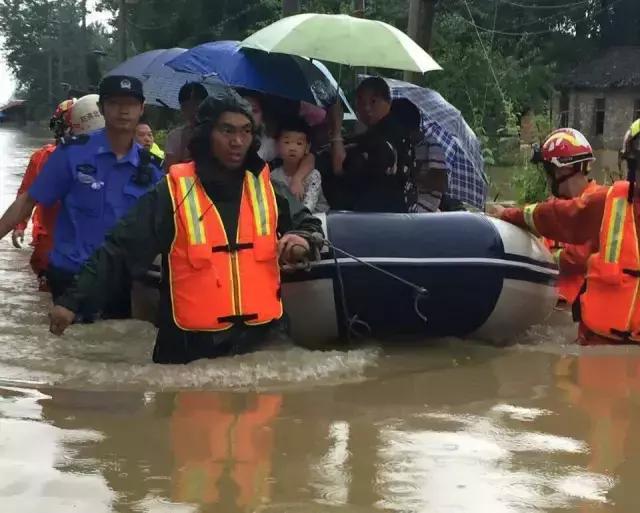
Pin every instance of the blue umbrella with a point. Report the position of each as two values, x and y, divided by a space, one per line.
161 83
444 125
287 76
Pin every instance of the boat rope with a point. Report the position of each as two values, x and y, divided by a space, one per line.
352 322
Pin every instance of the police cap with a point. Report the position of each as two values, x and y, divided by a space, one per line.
120 85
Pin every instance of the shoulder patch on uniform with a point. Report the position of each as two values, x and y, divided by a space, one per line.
74 139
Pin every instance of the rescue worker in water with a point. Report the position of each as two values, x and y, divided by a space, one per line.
607 306
216 222
565 156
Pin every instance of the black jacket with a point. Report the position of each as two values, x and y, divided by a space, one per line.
378 172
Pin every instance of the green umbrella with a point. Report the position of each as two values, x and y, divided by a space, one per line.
343 39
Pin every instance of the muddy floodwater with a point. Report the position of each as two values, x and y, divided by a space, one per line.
88 424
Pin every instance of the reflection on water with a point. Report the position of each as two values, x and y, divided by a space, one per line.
39 467
87 423
479 459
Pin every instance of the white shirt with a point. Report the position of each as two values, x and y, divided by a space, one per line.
313 198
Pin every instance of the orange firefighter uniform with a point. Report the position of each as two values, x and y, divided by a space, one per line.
610 225
44 218
572 259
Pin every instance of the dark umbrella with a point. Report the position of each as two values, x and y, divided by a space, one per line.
444 125
287 76
161 83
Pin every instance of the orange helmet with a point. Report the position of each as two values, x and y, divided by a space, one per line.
60 122
565 147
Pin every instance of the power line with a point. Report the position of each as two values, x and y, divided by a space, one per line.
493 37
510 34
548 7
486 54
525 32
521 28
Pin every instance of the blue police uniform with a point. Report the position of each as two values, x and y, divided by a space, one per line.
95 190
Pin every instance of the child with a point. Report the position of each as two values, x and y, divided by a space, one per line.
293 145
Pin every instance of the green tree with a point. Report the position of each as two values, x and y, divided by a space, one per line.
46 48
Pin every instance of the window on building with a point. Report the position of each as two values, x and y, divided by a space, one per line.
564 110
599 116
636 110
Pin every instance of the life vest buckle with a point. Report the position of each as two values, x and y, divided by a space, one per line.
232 247
632 272
238 319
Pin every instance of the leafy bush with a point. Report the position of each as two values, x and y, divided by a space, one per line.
160 137
530 184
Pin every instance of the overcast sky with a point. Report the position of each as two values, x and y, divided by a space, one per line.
7 84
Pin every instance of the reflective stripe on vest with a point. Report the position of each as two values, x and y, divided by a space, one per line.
609 305
192 208
614 233
528 217
258 193
216 282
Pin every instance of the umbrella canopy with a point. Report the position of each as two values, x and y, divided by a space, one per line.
443 124
286 76
161 84
343 39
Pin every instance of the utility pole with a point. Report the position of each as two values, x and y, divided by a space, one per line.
50 78
84 79
358 8
122 29
420 27
290 7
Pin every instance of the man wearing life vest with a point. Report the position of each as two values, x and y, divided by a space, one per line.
565 156
217 222
607 219
71 117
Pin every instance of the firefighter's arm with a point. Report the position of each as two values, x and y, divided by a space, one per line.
30 175
574 221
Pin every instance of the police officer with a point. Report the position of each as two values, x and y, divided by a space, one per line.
97 178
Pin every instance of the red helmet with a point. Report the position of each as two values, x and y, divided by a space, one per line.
60 122
565 147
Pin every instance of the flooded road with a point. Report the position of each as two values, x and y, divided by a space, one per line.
88 424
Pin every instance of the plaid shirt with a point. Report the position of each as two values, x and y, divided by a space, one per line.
443 124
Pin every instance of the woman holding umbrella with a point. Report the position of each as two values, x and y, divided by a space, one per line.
374 172
357 42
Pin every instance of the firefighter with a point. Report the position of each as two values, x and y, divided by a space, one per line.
566 153
607 219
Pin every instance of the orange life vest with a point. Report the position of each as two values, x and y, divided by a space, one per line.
216 283
609 306
569 284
